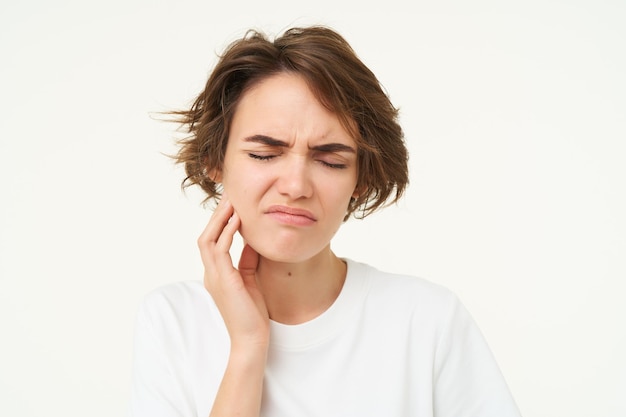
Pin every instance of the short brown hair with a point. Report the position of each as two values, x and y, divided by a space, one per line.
335 75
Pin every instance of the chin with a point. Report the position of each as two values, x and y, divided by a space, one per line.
282 251
285 255
283 246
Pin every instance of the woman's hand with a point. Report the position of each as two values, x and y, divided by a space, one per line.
243 309
235 291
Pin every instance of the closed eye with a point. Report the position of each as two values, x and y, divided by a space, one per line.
331 159
331 165
261 157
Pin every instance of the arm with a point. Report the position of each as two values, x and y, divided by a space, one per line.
243 309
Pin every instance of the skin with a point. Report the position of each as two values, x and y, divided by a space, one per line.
289 172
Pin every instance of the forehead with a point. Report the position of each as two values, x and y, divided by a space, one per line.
284 105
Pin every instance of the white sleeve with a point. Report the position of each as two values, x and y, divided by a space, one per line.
467 380
156 389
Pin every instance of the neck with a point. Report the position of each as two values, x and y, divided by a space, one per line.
298 292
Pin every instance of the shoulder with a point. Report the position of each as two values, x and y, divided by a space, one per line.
405 291
176 305
410 308
175 292
175 295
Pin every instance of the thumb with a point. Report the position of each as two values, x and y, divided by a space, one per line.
248 263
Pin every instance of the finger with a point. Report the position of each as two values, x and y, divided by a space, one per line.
208 239
216 224
221 254
248 263
225 240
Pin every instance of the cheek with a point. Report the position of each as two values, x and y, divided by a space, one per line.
338 205
244 193
238 182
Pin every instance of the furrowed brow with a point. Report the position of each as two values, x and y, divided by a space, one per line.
333 147
326 147
266 140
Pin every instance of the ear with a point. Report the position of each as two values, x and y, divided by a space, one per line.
216 175
357 192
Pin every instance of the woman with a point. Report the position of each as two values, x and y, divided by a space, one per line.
292 137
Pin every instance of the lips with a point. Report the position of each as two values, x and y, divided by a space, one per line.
291 215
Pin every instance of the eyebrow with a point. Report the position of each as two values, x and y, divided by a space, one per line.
325 147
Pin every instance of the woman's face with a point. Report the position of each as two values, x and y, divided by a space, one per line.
290 170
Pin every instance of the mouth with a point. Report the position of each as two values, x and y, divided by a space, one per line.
291 215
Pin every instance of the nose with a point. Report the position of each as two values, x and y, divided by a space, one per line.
294 179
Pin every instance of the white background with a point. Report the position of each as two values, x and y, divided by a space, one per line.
514 113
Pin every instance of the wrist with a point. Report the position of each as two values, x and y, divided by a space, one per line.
248 360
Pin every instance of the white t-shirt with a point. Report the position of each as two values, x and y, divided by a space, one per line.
390 345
